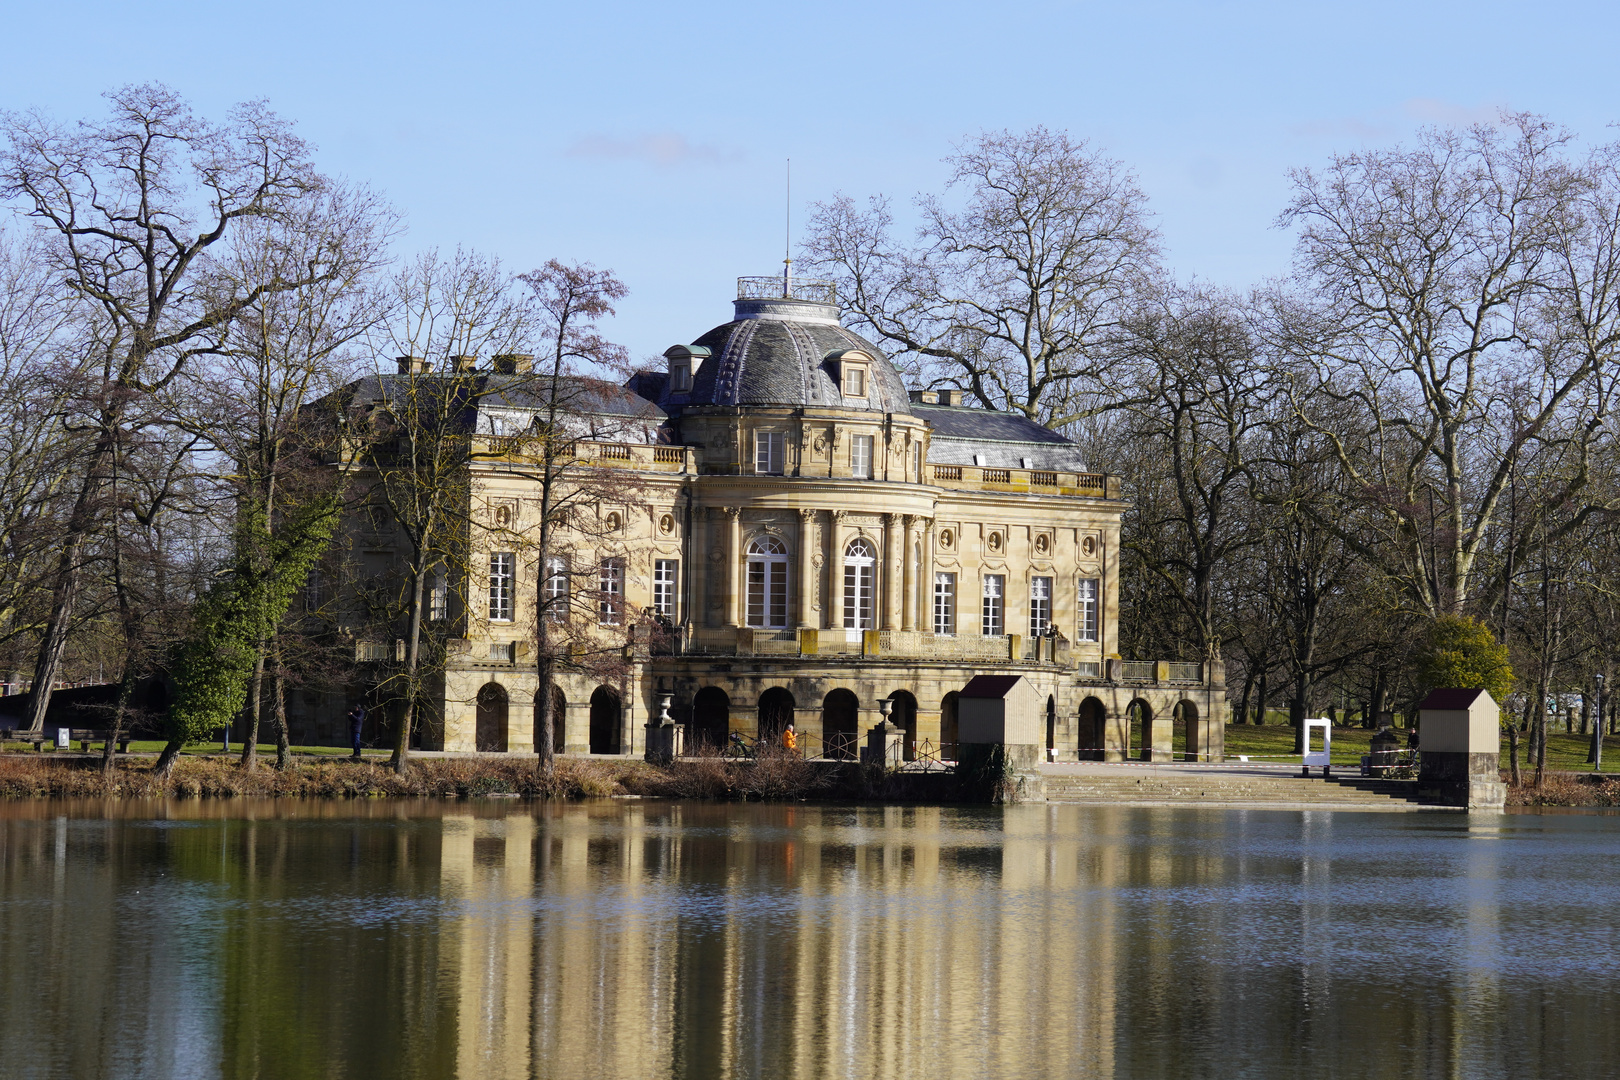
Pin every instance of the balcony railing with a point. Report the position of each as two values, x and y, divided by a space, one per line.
606 454
786 288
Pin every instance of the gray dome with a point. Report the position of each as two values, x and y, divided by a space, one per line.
781 352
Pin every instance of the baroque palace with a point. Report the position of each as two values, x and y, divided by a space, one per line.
825 547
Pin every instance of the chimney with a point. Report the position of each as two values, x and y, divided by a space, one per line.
924 397
514 363
950 397
461 365
413 365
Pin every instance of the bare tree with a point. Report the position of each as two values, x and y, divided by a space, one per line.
1465 297
134 206
1200 407
287 347
414 440
572 299
1020 293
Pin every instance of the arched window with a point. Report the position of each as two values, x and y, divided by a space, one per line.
767 582
860 563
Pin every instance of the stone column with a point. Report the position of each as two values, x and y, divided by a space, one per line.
835 571
733 563
892 562
807 569
908 557
697 605
925 572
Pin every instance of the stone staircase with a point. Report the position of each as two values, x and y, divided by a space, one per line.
1283 790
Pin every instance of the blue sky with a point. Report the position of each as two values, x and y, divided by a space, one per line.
650 138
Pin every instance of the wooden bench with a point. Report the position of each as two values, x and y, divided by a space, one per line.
83 736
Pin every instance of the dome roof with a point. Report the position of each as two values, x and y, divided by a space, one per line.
785 352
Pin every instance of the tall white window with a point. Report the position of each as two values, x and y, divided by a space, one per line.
555 590
860 456
1040 605
680 378
502 572
995 589
664 577
314 590
860 563
944 603
610 599
438 596
768 453
767 582
1087 604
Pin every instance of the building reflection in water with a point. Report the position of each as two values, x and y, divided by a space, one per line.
645 939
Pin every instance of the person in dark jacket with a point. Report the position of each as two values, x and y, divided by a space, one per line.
357 724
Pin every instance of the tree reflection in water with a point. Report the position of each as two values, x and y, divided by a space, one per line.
648 939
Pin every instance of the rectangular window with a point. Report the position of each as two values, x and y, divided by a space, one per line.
555 591
768 453
610 601
502 572
994 594
664 577
854 380
944 603
1087 604
858 596
438 597
680 378
1040 605
860 456
314 589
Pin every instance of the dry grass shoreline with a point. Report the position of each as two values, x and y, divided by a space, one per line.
779 778
773 777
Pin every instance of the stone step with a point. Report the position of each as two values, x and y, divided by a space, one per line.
1345 791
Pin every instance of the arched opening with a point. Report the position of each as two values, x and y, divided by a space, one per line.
1141 717
606 713
1051 726
559 721
490 734
1093 723
711 720
860 568
767 583
947 726
903 715
775 713
1186 737
840 716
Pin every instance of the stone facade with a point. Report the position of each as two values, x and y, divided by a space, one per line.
797 537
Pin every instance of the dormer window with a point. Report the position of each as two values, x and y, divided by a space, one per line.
854 380
853 370
682 360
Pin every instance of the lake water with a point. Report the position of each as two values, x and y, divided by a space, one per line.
648 939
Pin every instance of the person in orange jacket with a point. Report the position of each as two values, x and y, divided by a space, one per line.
790 739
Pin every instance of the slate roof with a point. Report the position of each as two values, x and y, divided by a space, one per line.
1450 698
584 394
1002 440
775 357
990 686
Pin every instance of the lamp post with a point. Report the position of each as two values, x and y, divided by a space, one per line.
1597 724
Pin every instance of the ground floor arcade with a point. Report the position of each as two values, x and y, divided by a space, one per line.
831 703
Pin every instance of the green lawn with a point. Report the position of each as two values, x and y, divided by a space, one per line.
1565 752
